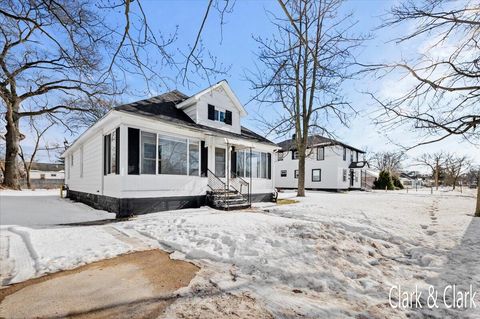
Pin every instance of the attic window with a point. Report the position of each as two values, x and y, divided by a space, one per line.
219 116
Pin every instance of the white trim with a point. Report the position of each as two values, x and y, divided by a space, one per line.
224 85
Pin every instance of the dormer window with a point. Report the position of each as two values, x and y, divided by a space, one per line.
218 115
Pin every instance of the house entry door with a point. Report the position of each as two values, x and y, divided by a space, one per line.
351 177
220 162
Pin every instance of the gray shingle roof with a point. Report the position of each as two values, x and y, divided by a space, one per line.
315 140
163 108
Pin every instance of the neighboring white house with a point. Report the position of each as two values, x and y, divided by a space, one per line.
42 171
330 165
169 152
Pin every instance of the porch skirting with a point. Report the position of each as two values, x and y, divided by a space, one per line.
124 207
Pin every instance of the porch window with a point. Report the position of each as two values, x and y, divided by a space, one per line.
111 153
220 162
193 158
256 163
316 175
148 150
172 155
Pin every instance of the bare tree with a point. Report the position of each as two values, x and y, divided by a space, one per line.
445 101
455 166
435 162
387 161
55 55
28 160
302 69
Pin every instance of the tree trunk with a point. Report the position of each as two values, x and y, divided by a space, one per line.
301 174
27 176
12 139
436 175
477 210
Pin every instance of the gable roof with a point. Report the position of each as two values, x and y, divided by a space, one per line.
315 140
222 84
49 167
164 108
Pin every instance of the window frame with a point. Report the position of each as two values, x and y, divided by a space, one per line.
323 153
157 134
344 153
259 169
295 174
319 175
280 156
282 173
344 178
295 155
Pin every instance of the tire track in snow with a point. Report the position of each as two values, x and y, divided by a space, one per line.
26 258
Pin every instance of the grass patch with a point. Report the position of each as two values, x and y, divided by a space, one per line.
286 201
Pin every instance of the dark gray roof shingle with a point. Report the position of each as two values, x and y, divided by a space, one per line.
163 108
314 140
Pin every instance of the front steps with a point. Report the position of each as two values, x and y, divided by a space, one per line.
227 200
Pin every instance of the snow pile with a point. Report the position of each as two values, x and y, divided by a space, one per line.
331 255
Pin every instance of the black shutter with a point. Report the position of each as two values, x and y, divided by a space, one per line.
133 151
105 155
269 166
203 159
293 154
211 112
228 117
233 161
117 151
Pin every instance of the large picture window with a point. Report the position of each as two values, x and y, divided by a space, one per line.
111 153
172 155
148 150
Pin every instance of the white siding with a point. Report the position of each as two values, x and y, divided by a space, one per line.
91 181
332 170
222 102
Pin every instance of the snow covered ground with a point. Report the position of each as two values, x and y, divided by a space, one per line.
44 208
330 255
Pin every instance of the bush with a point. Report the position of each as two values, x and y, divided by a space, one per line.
384 180
397 182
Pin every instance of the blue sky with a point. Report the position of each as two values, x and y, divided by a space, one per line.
238 50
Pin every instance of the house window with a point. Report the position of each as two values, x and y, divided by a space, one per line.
283 173
220 162
356 177
357 155
295 174
53 175
81 161
147 153
344 175
344 153
220 116
295 155
351 156
256 163
280 156
111 156
316 175
172 155
320 153
194 158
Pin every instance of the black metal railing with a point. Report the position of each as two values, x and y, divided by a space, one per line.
241 185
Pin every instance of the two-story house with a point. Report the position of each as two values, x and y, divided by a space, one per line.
330 165
169 152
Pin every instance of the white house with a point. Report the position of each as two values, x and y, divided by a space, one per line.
169 152
330 165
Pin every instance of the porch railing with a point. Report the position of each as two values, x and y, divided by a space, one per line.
241 185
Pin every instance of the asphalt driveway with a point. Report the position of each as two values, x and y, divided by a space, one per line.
45 209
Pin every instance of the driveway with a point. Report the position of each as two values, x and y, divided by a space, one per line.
44 208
